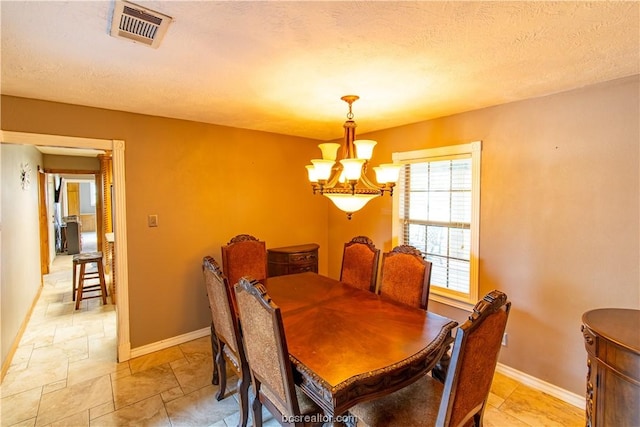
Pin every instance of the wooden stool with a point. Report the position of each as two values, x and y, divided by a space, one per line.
80 287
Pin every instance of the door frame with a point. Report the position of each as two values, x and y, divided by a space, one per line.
117 148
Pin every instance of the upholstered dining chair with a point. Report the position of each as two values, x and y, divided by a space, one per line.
406 276
360 263
462 399
244 255
268 355
225 329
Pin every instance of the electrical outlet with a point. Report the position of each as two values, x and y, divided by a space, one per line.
153 220
504 339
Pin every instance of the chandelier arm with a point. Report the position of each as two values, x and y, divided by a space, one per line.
367 182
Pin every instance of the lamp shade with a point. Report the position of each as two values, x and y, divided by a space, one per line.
322 168
387 173
364 148
350 203
311 170
352 168
329 150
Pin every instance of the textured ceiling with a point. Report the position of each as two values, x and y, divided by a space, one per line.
283 66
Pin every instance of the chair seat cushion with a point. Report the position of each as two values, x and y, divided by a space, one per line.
414 405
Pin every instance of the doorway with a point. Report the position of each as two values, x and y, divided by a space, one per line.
119 216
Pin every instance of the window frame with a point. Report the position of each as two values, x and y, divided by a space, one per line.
474 150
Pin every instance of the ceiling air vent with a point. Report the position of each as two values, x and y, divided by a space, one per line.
137 24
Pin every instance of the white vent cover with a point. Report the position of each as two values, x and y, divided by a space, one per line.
138 24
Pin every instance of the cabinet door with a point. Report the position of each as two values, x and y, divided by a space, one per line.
617 398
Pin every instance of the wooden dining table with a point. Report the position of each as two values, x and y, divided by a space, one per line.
348 345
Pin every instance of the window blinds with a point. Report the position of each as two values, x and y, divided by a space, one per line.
435 215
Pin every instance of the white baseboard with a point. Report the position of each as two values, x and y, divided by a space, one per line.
170 342
543 386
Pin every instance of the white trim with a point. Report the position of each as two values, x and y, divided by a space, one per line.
443 299
55 140
170 342
430 153
117 146
120 251
543 386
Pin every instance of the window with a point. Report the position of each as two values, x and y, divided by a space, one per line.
437 210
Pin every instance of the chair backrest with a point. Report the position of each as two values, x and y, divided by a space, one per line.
360 263
406 276
221 303
266 346
244 255
473 361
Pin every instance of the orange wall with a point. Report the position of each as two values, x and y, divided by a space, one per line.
559 217
206 183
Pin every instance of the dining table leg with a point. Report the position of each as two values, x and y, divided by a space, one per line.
439 371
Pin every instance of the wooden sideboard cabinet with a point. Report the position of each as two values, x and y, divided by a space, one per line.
612 340
293 259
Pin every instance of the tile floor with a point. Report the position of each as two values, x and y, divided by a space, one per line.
65 373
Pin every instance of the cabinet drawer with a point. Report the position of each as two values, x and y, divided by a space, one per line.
304 258
301 268
293 259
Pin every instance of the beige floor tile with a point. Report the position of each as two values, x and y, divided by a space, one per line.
149 412
51 387
172 394
101 360
200 408
197 349
539 409
195 375
101 410
66 333
22 355
142 385
59 308
156 358
37 375
20 407
495 418
73 348
74 399
103 348
495 400
26 423
87 369
39 335
502 386
81 419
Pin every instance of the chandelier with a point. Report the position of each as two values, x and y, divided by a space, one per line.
343 179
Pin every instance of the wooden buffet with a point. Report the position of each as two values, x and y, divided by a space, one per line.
292 259
612 340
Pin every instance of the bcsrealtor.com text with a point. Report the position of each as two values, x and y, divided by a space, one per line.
320 418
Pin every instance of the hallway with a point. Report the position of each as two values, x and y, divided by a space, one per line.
65 371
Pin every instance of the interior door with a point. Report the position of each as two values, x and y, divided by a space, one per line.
73 198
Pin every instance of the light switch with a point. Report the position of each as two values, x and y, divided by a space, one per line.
153 220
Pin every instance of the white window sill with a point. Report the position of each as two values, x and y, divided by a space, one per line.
443 299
